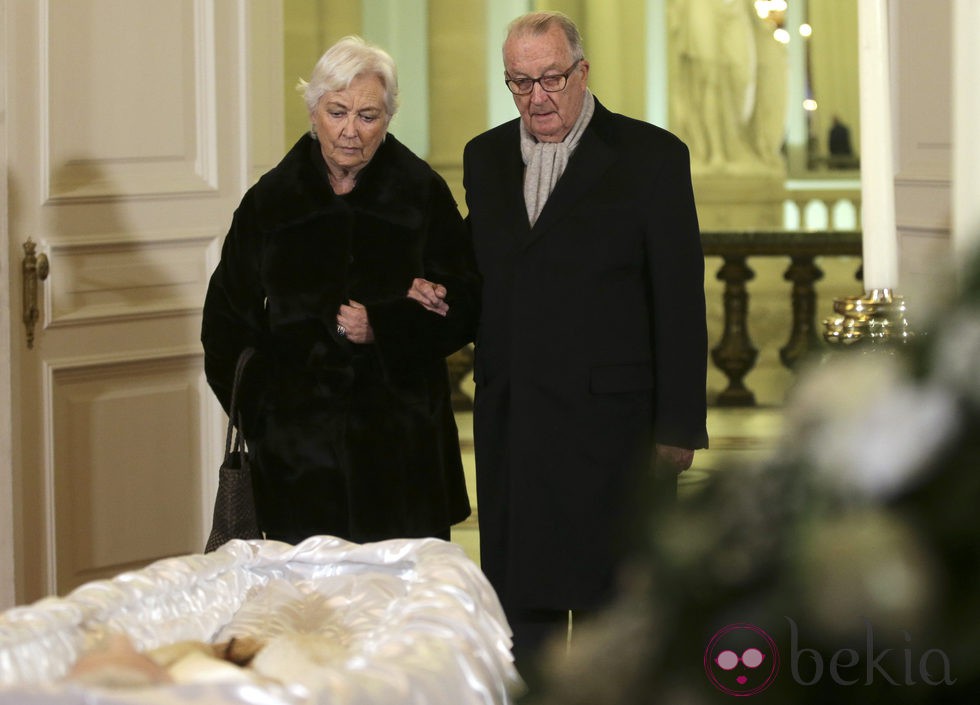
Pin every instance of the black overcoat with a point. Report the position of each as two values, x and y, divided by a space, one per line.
591 344
356 441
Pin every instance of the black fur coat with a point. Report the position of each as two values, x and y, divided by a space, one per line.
356 441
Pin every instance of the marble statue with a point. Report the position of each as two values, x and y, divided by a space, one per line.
727 86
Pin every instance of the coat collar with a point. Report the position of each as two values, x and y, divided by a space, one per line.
590 161
394 186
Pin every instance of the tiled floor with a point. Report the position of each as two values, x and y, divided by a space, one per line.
467 534
738 437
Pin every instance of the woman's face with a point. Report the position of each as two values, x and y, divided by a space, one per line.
351 124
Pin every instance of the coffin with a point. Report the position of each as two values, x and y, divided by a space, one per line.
401 621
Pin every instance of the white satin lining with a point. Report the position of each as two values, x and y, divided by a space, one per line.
400 621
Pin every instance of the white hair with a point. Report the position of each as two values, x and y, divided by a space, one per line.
538 23
342 63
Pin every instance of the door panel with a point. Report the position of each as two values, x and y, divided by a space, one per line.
116 277
139 84
130 150
119 504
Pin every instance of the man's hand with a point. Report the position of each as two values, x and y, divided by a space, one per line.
431 295
678 458
352 323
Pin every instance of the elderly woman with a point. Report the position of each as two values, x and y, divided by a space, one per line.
326 272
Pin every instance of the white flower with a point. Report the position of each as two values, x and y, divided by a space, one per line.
868 428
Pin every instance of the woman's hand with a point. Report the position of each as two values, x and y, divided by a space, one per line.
353 323
430 295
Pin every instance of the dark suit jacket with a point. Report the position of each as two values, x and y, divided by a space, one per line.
591 345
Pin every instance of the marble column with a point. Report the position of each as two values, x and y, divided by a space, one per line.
310 27
500 103
966 147
614 33
877 170
396 26
797 131
657 72
457 84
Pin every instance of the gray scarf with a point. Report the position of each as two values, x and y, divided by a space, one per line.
546 161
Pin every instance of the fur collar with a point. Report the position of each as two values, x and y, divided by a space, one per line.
394 186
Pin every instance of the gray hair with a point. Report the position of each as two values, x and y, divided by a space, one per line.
342 63
538 23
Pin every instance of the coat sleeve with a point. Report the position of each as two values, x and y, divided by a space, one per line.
406 334
680 341
234 319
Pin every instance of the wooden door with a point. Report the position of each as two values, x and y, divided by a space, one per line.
127 146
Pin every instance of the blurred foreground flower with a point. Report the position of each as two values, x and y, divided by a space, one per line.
866 427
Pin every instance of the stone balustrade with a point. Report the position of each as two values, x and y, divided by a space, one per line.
735 354
822 205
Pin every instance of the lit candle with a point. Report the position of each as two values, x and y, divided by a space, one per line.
880 238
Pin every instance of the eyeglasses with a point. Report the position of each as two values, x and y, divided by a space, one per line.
552 82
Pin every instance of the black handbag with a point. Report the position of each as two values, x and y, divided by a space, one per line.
234 505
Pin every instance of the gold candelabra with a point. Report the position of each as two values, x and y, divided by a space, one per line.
878 317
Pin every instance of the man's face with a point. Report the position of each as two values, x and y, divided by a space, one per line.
547 116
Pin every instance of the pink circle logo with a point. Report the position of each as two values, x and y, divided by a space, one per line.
741 660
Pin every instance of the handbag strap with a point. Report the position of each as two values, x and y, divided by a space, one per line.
234 415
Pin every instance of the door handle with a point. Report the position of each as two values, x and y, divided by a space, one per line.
35 268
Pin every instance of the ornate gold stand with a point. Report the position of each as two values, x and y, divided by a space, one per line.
878 317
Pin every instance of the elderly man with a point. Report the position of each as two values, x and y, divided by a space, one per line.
591 352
